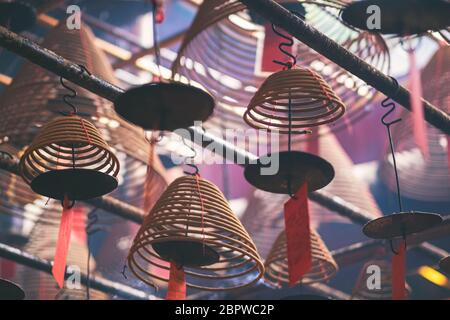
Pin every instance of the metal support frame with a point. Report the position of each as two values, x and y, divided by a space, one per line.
96 282
71 71
319 42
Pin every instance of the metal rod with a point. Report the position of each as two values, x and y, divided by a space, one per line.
342 207
316 40
96 282
71 71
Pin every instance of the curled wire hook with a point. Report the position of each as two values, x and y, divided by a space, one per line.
66 97
192 165
289 43
390 104
391 244
152 140
73 92
69 206
386 103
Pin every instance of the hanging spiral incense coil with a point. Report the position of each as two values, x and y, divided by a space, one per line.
263 218
230 77
42 242
75 144
193 225
384 292
313 102
323 266
421 178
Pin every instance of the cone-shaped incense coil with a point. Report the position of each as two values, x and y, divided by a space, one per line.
232 77
69 143
193 225
323 265
370 289
313 102
43 238
423 178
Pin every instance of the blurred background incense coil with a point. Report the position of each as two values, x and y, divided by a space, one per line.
366 289
231 43
42 242
424 179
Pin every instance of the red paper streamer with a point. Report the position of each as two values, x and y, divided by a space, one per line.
270 50
177 283
399 273
296 218
62 246
419 126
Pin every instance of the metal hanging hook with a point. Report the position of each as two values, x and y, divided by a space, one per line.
387 103
192 165
73 92
150 139
66 97
390 104
289 43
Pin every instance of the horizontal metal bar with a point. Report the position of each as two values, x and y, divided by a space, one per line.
71 71
96 282
319 42
63 67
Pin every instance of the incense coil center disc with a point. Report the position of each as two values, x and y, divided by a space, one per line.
164 106
299 167
398 225
10 291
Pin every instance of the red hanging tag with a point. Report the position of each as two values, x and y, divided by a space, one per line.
62 246
419 126
298 237
398 273
270 50
177 283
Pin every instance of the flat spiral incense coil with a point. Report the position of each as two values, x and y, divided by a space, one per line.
313 102
323 265
193 226
402 224
69 156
